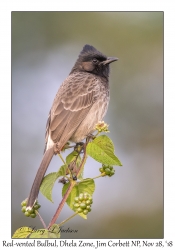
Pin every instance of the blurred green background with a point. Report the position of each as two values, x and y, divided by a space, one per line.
45 46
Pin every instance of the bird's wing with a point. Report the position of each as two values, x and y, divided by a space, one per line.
72 103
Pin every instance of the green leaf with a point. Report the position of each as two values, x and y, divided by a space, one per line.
22 232
80 175
72 195
102 150
87 185
62 171
71 157
52 233
49 181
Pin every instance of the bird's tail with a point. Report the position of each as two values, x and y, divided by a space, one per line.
39 177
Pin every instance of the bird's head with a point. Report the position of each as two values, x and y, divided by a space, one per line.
92 61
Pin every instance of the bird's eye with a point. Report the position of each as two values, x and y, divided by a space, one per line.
95 61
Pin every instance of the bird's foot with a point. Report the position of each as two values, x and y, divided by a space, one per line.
79 147
89 138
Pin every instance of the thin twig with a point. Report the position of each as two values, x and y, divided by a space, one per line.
98 176
62 159
64 162
64 221
41 219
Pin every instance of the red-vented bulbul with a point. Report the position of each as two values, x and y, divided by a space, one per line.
80 103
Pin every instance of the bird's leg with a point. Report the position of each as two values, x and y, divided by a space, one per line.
89 138
79 147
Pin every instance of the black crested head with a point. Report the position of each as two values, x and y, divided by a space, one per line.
89 51
93 61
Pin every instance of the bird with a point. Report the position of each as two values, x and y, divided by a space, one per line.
80 103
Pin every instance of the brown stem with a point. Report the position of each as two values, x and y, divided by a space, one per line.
64 221
58 211
72 184
41 219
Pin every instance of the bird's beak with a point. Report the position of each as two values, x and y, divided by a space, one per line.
110 60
